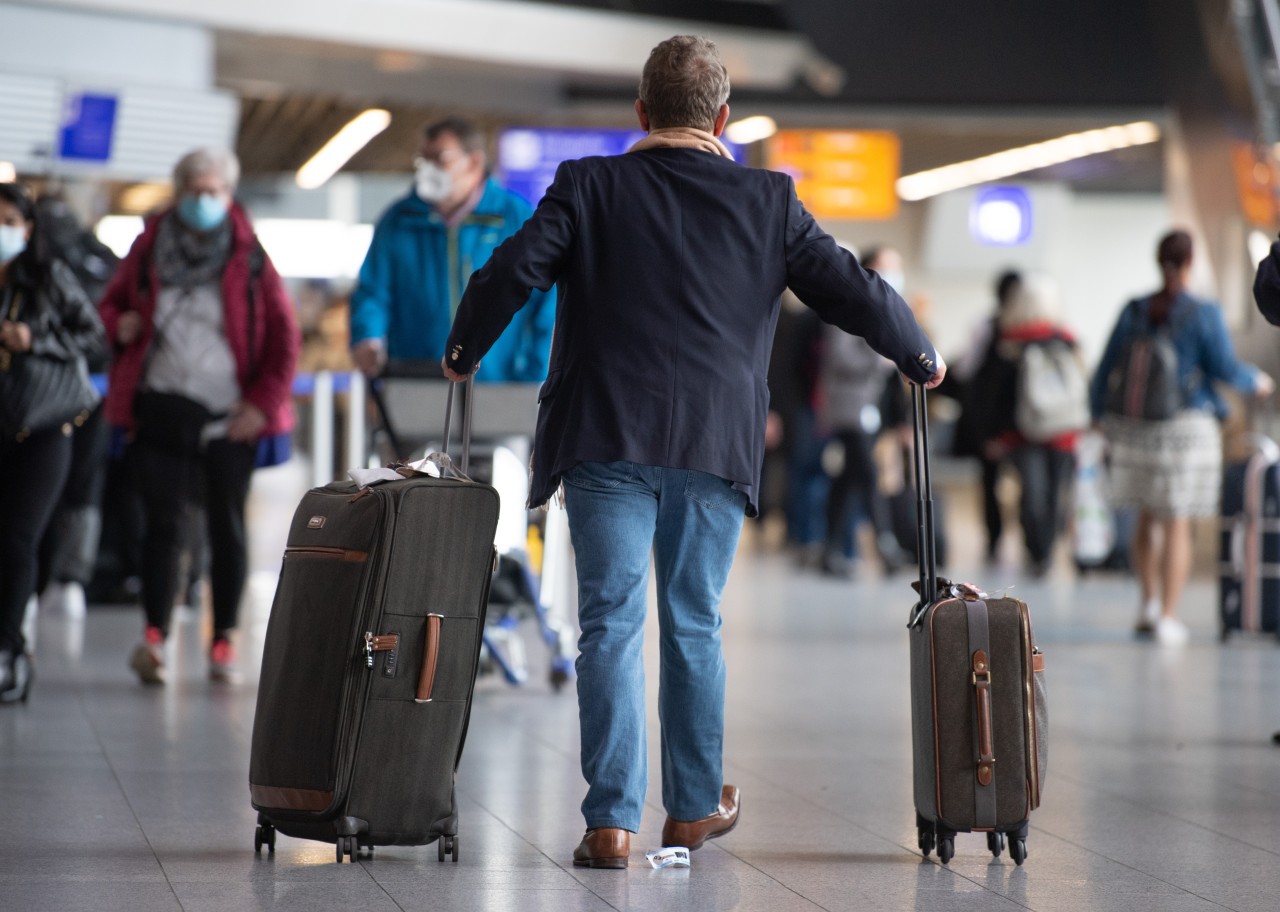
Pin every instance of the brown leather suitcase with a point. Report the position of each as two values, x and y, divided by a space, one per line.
978 718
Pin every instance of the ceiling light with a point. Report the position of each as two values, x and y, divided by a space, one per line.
751 129
925 184
339 150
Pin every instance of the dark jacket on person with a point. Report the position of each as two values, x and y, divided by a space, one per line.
64 325
1205 353
260 325
1266 286
670 264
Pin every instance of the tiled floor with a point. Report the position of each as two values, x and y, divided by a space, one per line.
1163 792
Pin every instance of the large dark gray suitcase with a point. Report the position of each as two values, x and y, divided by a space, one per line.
370 662
978 718
1249 577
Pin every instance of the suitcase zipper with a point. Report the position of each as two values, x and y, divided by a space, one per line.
358 694
343 554
387 643
1029 700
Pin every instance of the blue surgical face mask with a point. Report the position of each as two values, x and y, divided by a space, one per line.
13 240
895 279
203 212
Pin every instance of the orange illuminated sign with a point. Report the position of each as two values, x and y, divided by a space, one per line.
1256 182
840 174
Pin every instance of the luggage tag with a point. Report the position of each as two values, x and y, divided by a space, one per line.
670 857
367 477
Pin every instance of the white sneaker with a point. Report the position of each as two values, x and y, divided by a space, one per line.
1171 632
1148 618
66 599
73 601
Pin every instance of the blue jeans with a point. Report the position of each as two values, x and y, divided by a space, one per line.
619 512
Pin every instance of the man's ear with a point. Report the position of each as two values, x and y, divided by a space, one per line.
721 120
643 115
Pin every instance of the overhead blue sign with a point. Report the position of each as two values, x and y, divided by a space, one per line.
1001 216
528 158
88 126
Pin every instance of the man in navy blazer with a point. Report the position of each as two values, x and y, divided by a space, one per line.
670 261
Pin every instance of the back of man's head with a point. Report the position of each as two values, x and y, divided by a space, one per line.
684 83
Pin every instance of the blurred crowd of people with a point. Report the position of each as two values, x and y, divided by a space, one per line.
201 341
1148 416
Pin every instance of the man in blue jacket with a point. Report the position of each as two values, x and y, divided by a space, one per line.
670 261
424 250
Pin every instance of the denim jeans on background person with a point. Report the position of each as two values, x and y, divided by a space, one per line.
1045 473
619 513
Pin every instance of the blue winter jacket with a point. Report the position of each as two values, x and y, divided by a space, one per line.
414 274
1205 353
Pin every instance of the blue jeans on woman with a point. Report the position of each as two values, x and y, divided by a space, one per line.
619 513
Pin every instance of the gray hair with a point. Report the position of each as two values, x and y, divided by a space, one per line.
684 83
223 162
469 135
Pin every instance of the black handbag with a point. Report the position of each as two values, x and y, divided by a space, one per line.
38 393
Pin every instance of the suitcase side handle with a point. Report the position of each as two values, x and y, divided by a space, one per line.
430 659
986 736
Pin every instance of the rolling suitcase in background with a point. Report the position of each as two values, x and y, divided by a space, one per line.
978 719
1249 580
370 660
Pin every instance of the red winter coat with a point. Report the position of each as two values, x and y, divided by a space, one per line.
275 327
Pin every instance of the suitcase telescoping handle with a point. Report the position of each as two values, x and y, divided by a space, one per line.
468 388
925 538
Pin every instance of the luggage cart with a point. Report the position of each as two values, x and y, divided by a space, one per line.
406 426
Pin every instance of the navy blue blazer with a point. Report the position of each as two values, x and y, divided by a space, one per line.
1266 286
670 264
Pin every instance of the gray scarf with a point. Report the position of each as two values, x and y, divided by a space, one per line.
188 259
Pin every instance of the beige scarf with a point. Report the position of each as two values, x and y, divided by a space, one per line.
681 138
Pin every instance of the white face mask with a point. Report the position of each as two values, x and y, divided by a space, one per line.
13 240
431 182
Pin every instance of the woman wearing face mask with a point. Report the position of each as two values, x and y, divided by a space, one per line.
206 341
47 327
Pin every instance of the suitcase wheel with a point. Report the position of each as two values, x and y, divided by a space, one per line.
347 845
924 835
995 843
264 835
1018 849
946 848
925 840
447 845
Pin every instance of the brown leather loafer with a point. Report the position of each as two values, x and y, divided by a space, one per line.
693 833
603 847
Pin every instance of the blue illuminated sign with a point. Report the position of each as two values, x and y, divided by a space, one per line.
1001 216
88 125
528 158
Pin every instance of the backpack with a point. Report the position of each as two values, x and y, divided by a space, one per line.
1052 393
1144 382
